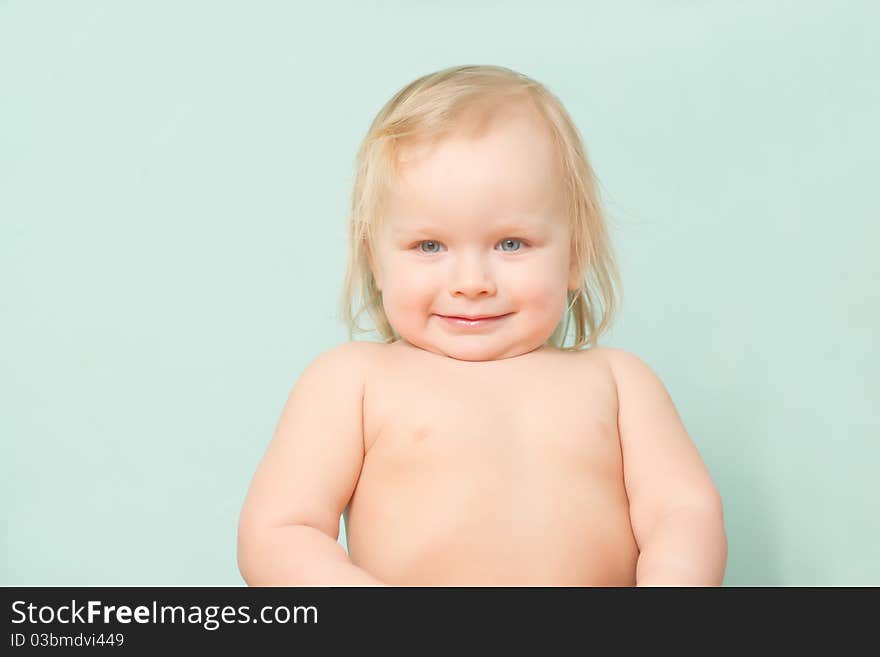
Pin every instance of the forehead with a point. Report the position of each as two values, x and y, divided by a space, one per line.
509 170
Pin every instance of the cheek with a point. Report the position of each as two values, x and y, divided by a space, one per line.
541 288
546 299
408 288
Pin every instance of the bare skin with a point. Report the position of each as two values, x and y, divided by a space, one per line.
505 472
546 468
468 453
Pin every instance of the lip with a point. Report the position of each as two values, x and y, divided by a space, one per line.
477 321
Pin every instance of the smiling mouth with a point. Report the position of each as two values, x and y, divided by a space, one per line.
476 322
473 319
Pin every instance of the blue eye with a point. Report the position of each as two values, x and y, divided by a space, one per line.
431 246
428 242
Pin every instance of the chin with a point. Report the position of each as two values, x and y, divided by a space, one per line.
478 352
472 355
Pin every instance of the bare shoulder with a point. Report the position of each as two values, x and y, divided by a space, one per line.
351 360
338 373
640 391
626 367
598 360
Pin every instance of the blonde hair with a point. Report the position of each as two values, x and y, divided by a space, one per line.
428 108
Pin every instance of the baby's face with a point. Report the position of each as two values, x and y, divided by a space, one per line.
477 227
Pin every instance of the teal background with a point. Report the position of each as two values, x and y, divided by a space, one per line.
174 186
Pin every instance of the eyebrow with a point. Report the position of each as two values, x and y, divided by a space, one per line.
512 226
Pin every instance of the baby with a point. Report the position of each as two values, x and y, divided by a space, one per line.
470 447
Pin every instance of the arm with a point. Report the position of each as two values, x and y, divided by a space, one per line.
675 508
297 555
687 547
289 524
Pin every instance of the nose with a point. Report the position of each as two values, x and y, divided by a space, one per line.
471 277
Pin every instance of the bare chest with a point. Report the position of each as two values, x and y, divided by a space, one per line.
463 413
514 432
431 401
521 454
